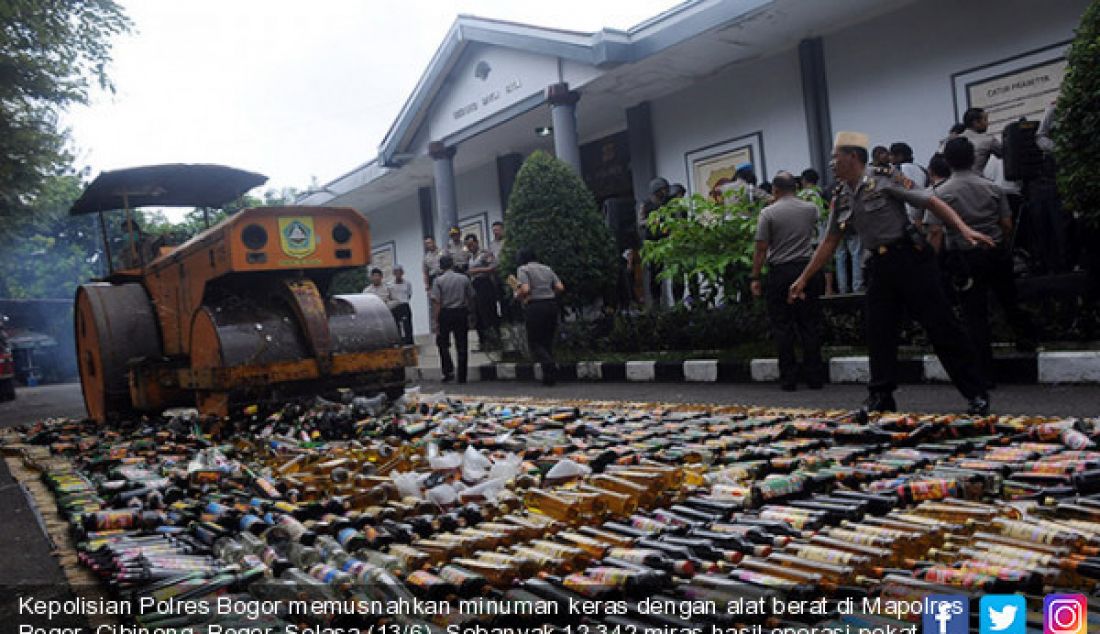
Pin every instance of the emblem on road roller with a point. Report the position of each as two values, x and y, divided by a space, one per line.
297 237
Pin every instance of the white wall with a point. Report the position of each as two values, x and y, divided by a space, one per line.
478 193
400 222
891 77
763 95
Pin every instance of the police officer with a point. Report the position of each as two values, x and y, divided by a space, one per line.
452 295
785 234
483 274
538 288
976 122
976 270
431 262
457 250
902 271
400 298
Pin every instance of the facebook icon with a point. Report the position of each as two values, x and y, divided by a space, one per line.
946 614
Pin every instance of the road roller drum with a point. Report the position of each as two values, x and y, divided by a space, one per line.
115 326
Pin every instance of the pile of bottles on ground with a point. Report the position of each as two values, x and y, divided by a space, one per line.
672 519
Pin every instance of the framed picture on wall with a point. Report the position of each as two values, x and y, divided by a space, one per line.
478 225
384 256
1020 86
711 166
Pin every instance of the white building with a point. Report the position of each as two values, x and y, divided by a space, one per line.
687 94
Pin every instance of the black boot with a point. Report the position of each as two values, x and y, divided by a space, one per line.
978 406
876 402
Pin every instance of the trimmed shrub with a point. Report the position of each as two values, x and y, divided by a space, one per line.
1078 122
552 212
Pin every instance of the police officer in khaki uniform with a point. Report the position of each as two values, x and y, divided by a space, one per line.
400 297
976 271
538 287
457 250
902 271
452 295
431 262
784 234
482 270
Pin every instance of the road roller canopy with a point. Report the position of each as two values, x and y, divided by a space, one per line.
174 185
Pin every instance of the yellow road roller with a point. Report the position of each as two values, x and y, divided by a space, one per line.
238 314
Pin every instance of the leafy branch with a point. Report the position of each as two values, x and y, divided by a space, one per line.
704 239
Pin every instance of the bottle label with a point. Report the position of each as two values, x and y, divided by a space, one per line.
294 528
324 573
773 487
1026 531
647 524
825 555
609 576
863 539
247 521
1000 572
633 555
456 576
353 566
114 520
582 585
795 521
929 489
761 579
423 579
961 578
345 536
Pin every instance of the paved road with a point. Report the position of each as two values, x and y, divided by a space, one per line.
25 551
45 401
1051 400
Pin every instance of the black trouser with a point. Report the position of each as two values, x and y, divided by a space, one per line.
503 300
485 309
403 315
989 270
453 321
541 317
904 278
801 320
1051 225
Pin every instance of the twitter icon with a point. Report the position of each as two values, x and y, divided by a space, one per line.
1003 614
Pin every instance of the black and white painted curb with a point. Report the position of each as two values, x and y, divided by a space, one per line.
1044 367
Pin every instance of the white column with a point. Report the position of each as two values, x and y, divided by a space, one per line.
563 106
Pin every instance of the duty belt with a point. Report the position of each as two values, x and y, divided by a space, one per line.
896 245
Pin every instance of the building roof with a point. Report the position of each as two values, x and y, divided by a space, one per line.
675 47
602 49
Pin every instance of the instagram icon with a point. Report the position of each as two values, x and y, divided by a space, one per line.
1065 614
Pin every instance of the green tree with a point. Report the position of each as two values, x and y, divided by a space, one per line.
50 52
195 220
1078 122
53 252
705 239
552 212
